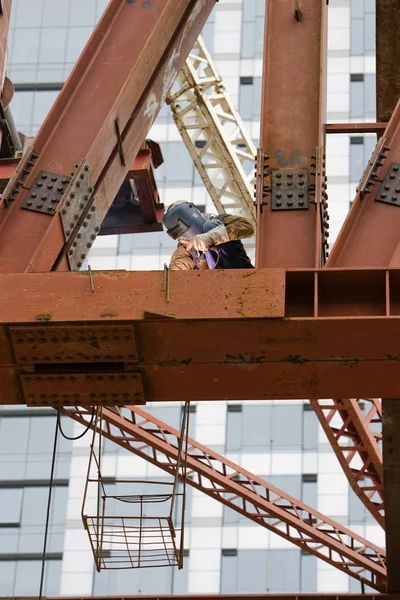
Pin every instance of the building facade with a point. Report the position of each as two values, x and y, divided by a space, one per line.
280 441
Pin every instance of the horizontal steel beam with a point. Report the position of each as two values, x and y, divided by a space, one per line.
378 128
236 597
129 337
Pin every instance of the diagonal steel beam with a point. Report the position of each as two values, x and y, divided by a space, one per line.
356 446
155 441
94 131
370 236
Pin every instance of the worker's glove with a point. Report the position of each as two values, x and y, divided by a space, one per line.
203 241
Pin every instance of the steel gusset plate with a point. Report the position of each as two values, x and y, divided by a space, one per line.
83 389
46 193
389 191
290 189
75 203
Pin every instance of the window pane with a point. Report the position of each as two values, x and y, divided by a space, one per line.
11 504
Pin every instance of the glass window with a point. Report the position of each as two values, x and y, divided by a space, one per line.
14 432
252 571
283 570
11 504
7 577
357 163
249 10
26 46
229 573
8 542
55 14
369 35
248 39
356 99
287 426
41 437
310 430
357 9
357 37
27 578
52 45
82 13
28 13
308 584
42 104
34 506
370 96
77 38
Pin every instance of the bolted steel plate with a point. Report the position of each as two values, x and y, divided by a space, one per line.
74 344
389 191
289 189
70 389
46 193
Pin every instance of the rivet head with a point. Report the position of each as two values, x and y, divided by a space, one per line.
34 194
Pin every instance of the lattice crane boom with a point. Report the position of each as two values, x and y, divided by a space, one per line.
214 133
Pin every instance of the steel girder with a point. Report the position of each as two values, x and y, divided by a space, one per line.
155 441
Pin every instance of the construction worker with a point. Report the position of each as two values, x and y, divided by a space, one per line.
206 241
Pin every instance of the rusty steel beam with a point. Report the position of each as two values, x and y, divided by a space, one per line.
354 128
94 131
387 57
370 236
292 136
214 475
391 473
269 333
232 597
357 446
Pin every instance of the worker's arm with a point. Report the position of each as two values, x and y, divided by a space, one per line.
181 260
232 228
237 228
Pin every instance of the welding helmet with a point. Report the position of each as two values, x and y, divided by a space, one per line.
183 219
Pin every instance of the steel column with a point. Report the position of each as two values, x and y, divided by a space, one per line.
387 57
101 117
292 131
391 472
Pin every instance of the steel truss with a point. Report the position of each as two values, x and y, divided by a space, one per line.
357 446
214 133
155 441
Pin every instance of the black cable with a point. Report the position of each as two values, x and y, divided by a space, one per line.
78 437
46 531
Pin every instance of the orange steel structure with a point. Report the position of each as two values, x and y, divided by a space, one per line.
293 328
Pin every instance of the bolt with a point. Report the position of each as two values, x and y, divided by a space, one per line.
78 184
289 175
278 194
89 245
97 229
44 176
395 168
290 202
93 208
301 174
290 195
68 203
383 195
29 203
83 256
39 184
394 198
50 186
392 175
63 211
79 236
49 208
278 175
72 195
278 203
34 194
387 187
301 202
301 194
64 181
82 175
79 264
44 197
60 189
93 237
39 206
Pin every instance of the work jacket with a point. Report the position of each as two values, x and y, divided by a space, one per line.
229 255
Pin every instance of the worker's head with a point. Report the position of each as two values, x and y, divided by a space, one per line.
183 219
